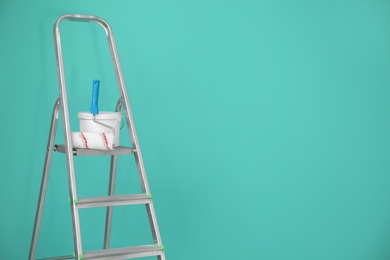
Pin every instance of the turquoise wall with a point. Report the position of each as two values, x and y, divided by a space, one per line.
264 125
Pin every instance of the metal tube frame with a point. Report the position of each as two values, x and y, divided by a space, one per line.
63 102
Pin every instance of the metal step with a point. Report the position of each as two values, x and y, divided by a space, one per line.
125 253
58 258
92 152
117 253
115 200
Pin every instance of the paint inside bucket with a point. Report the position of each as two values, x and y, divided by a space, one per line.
112 119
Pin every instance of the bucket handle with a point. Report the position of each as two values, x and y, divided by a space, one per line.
102 124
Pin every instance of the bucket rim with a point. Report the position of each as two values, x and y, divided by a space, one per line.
102 115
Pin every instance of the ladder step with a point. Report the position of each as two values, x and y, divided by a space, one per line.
117 253
125 253
92 152
58 258
115 200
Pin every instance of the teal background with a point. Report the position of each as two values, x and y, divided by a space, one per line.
264 125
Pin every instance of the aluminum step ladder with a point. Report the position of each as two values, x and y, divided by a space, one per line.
111 200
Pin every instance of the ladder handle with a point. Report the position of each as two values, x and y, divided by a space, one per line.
95 97
83 18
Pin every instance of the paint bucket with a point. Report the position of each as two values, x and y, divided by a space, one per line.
111 119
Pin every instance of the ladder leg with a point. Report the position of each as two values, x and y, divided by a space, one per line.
78 250
45 178
154 227
145 187
72 186
111 189
141 171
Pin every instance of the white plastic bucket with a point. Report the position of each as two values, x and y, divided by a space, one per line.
112 119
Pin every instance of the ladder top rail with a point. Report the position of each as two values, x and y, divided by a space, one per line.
83 18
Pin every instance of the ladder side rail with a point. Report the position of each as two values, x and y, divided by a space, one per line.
133 134
45 178
126 107
67 138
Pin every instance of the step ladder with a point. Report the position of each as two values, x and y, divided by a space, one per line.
111 200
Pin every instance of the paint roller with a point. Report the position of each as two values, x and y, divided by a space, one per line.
94 139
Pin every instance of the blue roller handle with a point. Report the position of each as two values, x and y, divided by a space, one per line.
95 97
